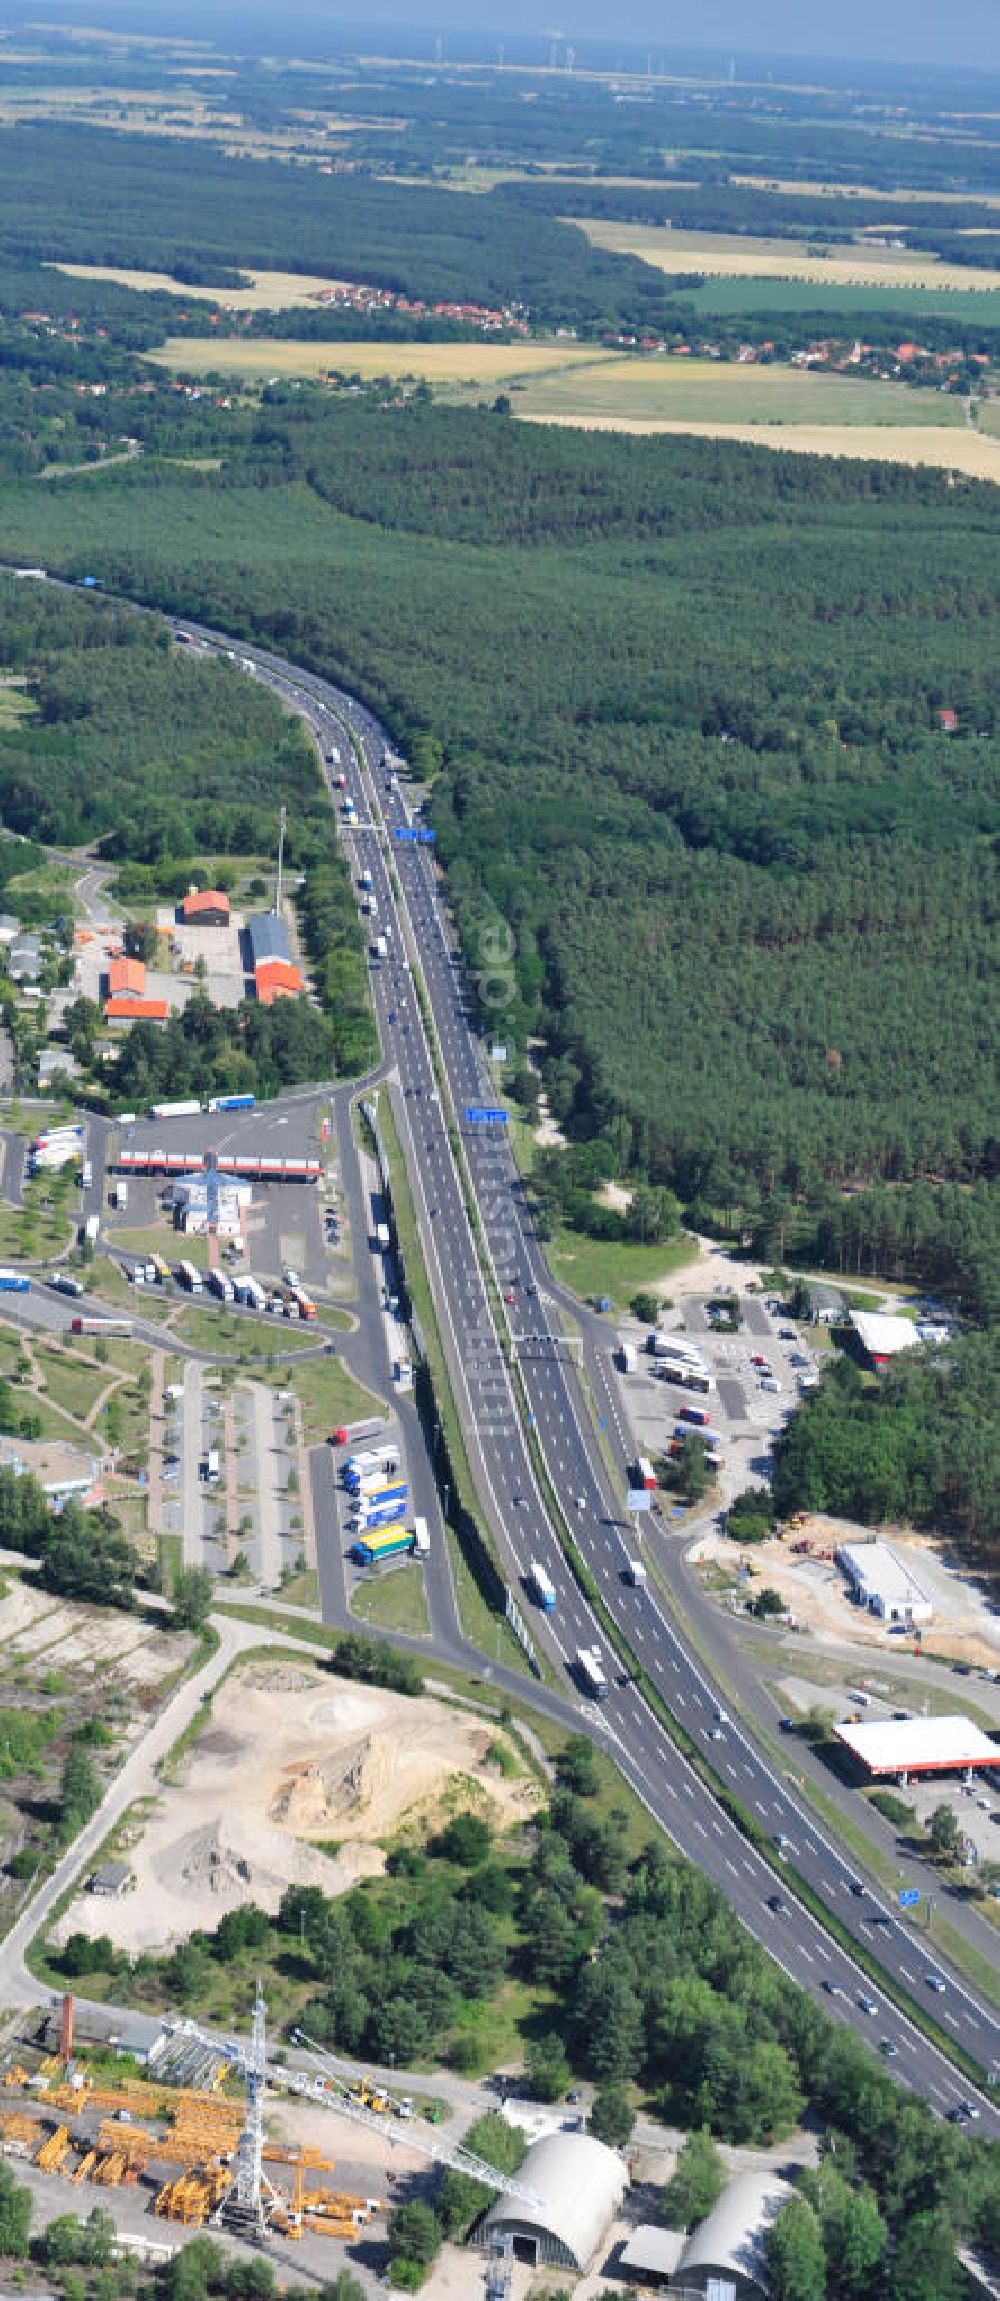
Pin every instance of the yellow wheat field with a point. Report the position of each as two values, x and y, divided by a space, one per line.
472 363
965 452
732 257
269 291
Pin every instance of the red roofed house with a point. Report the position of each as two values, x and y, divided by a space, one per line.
276 979
206 907
129 1010
126 979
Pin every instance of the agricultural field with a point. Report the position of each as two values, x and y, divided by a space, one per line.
683 391
899 195
265 291
812 413
472 363
942 450
735 256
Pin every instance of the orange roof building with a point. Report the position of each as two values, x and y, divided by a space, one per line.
276 979
206 907
132 1010
126 979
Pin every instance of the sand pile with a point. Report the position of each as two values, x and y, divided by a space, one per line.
290 1755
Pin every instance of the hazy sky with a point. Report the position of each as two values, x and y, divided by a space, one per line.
908 31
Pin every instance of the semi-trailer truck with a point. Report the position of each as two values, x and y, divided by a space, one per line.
221 1285
383 1458
380 1495
386 1514
353 1433
421 1538
14 1282
116 1326
188 1110
61 1281
544 1589
190 1277
645 1473
627 1358
395 1542
686 1376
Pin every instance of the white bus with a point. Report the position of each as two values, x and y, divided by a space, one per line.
590 1672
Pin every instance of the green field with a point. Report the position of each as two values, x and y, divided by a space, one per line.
327 1395
791 299
394 1600
706 391
601 1266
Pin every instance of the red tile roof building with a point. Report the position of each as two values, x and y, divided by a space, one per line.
206 907
126 978
130 1010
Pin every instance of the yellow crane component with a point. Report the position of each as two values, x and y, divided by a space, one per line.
68 2096
83 2171
112 2170
14 2077
131 2141
20 2134
54 2152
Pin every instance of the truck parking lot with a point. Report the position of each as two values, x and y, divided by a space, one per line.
756 1377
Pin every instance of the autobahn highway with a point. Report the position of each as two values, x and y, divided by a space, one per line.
414 922
417 932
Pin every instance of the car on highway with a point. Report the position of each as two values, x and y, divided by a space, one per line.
509 1294
832 1988
867 2005
888 2047
935 1981
774 1902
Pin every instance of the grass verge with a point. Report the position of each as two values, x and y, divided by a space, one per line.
393 1601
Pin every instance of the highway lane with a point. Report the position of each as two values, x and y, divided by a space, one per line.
514 1506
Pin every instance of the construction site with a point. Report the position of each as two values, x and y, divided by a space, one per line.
199 2155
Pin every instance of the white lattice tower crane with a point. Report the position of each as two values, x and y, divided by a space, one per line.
250 2197
427 2144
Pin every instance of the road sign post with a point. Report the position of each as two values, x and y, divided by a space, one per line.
909 1897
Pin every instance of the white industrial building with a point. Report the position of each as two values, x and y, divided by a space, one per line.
579 2185
882 1338
883 1583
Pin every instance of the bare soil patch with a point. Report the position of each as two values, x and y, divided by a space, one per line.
813 1587
293 1762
